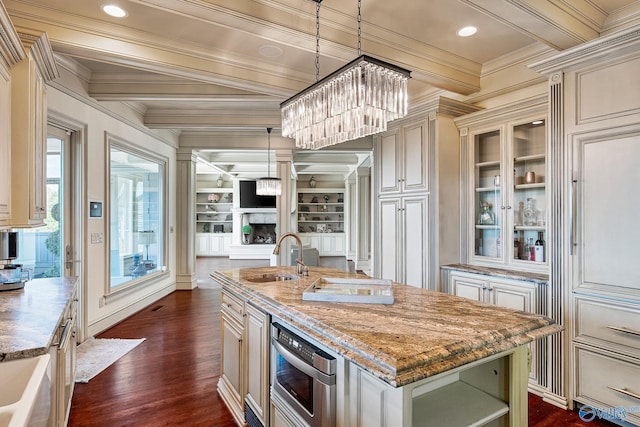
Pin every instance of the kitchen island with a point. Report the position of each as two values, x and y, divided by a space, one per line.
412 351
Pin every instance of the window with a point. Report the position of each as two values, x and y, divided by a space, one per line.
136 215
41 247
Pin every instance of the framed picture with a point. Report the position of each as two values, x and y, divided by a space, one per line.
321 228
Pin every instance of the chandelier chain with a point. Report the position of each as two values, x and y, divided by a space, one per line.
359 28
318 41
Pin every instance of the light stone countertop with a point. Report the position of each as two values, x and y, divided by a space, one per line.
537 278
422 334
30 316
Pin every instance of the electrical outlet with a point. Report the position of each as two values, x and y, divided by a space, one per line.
96 238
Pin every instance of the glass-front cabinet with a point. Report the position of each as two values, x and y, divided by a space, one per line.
506 183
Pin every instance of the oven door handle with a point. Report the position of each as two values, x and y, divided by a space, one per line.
302 365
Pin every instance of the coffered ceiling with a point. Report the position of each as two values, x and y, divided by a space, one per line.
226 65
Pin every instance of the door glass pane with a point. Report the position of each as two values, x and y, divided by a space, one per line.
487 194
529 210
40 249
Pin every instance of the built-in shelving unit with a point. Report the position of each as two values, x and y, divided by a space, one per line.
321 210
213 210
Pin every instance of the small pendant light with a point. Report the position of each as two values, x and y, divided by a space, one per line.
268 186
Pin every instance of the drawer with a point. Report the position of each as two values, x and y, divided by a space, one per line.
598 374
232 305
603 323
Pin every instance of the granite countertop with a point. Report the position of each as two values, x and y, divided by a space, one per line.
537 278
29 317
422 334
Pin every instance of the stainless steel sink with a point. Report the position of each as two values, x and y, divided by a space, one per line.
265 278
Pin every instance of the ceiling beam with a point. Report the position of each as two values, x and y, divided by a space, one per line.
102 41
560 24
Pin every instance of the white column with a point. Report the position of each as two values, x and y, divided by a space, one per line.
363 215
283 205
186 278
351 219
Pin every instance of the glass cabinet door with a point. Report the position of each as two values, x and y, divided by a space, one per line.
488 198
529 192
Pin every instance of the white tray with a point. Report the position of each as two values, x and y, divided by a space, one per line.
335 289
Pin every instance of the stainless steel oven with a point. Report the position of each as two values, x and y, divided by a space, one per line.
303 376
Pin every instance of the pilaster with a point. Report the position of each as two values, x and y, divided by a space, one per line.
363 214
283 205
186 278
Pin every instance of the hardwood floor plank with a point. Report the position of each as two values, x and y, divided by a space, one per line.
171 378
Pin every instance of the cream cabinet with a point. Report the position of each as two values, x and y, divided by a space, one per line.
327 244
11 52
257 356
5 145
29 131
518 294
491 389
231 385
213 244
244 378
595 147
417 186
404 153
403 239
505 179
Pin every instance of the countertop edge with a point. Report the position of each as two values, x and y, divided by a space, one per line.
379 364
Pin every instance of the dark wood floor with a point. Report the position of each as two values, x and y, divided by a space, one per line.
170 379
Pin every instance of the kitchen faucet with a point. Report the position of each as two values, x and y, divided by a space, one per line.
303 270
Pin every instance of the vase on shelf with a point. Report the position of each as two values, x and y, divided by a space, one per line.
486 217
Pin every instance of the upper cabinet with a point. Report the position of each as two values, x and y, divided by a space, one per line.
404 155
505 186
417 188
11 52
29 131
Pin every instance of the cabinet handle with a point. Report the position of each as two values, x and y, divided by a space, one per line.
625 330
572 219
624 391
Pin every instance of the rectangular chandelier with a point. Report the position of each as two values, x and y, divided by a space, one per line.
357 100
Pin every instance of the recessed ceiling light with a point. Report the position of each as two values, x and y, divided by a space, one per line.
269 51
113 10
467 31
537 122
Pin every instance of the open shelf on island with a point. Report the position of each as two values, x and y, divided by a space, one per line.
457 404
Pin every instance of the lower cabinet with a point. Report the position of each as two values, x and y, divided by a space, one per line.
213 244
327 244
404 250
510 293
606 355
491 389
244 378
63 366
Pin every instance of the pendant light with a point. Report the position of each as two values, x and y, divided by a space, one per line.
268 186
357 100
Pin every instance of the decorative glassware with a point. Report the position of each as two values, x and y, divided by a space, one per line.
487 217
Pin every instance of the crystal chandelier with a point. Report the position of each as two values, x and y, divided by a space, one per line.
357 100
268 186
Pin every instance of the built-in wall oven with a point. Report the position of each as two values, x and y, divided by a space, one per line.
303 377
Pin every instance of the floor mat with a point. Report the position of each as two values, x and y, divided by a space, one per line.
97 354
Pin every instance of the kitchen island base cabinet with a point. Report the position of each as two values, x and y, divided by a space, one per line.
244 378
489 392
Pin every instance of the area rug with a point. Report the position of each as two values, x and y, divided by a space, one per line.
97 354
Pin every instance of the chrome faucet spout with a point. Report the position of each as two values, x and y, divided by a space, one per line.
302 268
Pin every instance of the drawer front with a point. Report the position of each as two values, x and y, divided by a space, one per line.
612 323
598 377
232 305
